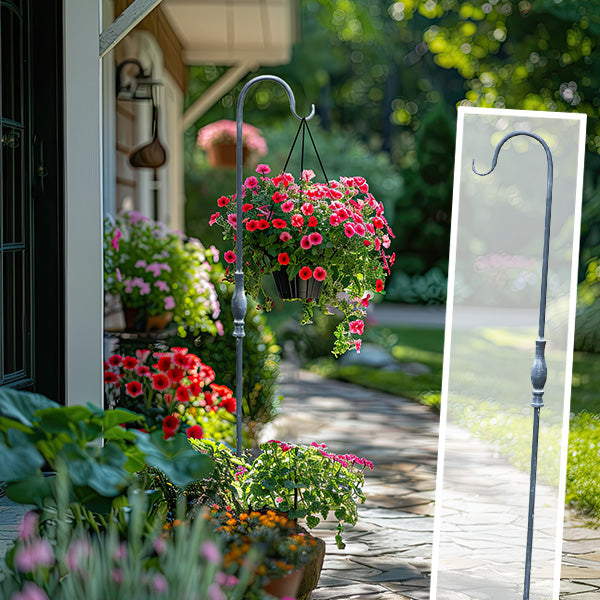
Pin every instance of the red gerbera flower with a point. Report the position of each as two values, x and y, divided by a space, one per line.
283 258
305 273
160 382
195 432
134 388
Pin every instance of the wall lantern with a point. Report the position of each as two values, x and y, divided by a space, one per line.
133 82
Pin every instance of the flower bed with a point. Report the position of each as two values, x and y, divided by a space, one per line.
334 234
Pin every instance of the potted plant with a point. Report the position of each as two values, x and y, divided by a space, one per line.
324 243
284 549
301 481
158 273
218 139
174 391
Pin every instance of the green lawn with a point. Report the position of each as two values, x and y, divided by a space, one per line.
408 344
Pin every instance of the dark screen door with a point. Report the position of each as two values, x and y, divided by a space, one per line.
31 197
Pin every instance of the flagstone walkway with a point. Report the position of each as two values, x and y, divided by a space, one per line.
388 553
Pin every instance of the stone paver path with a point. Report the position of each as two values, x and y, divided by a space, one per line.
388 553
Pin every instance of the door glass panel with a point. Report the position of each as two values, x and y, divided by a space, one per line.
12 177
14 314
11 40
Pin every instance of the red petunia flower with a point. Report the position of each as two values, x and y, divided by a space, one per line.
176 374
357 327
278 197
307 209
229 404
195 432
116 360
305 243
312 221
263 224
246 207
379 285
110 377
305 273
223 201
164 363
251 225
143 370
319 273
130 363
279 223
183 394
170 426
229 256
297 220
283 258
285 237
160 382
134 388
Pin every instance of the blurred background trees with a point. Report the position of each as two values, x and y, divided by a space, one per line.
386 78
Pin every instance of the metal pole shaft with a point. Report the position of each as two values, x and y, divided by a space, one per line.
239 303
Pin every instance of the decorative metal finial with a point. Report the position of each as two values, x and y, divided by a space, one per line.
538 370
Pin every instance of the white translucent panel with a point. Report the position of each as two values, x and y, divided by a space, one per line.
491 328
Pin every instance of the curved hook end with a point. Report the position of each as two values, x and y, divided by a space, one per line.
311 115
477 172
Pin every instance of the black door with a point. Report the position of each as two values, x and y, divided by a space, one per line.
31 197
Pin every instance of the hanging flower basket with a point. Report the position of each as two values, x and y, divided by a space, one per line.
325 244
218 140
296 288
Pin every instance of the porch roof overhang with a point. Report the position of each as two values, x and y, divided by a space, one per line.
232 32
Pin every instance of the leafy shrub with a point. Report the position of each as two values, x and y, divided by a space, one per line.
430 288
260 358
583 467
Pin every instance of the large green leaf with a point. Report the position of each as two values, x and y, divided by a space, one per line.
174 457
120 415
98 468
22 406
62 419
21 459
32 490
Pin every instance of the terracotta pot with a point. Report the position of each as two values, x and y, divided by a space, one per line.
286 586
136 320
296 288
311 572
223 154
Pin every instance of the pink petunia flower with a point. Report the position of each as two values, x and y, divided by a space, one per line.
297 220
319 273
349 230
305 243
308 174
307 209
251 182
357 327
287 206
229 256
285 237
263 169
213 218
232 220
115 241
315 238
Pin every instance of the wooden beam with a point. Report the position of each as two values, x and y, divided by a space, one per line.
216 91
125 22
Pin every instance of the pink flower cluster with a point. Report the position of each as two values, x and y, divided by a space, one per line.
225 131
346 460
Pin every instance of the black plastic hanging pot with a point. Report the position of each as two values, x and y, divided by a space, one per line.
296 288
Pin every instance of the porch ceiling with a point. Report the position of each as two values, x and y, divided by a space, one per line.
230 32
